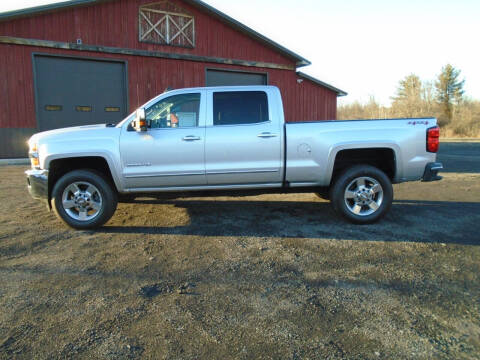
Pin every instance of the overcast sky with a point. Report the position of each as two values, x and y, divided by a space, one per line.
363 46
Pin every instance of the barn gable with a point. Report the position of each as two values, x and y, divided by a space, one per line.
115 23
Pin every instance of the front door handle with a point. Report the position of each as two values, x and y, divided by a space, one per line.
191 138
266 135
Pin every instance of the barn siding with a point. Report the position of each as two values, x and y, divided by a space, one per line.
147 77
116 24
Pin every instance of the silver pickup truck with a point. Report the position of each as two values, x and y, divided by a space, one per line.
228 139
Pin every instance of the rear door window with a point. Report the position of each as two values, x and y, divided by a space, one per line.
239 107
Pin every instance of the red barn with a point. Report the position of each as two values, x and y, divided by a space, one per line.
91 61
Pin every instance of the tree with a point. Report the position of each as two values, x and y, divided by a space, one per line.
428 99
408 100
449 92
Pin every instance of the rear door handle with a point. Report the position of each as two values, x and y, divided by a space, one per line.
266 135
191 138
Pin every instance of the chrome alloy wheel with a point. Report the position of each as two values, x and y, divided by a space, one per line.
363 196
82 201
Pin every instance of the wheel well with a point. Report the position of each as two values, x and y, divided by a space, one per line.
381 158
60 167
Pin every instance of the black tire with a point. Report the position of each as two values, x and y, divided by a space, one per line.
95 193
362 204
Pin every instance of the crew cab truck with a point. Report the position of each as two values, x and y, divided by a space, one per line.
228 139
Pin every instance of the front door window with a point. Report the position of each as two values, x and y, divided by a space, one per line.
177 111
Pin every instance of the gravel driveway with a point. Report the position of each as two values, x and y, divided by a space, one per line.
264 277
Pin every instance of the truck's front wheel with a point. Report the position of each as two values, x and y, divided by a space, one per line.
362 194
83 199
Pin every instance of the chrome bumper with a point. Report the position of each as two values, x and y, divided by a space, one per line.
37 182
431 172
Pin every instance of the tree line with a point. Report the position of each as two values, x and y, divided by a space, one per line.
443 99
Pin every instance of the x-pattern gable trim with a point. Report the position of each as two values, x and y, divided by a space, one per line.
166 24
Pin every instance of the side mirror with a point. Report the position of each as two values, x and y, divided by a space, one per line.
140 123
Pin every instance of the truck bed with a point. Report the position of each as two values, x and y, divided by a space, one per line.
312 147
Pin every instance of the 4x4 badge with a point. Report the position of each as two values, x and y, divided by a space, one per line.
418 122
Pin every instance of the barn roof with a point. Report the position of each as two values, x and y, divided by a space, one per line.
300 61
321 83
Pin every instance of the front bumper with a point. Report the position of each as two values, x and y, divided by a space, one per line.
37 182
431 172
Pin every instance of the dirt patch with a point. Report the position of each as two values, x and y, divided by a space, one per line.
261 277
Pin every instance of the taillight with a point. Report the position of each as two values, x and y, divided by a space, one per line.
433 139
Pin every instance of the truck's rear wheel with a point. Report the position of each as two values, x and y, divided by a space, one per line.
83 199
362 194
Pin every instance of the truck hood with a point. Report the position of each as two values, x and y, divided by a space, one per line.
100 131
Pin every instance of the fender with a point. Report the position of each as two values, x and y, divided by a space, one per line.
109 158
352 145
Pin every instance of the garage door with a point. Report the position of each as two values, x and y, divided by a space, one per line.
227 78
71 92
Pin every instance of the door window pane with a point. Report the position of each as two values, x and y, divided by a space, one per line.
112 109
83 108
174 111
53 107
240 107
